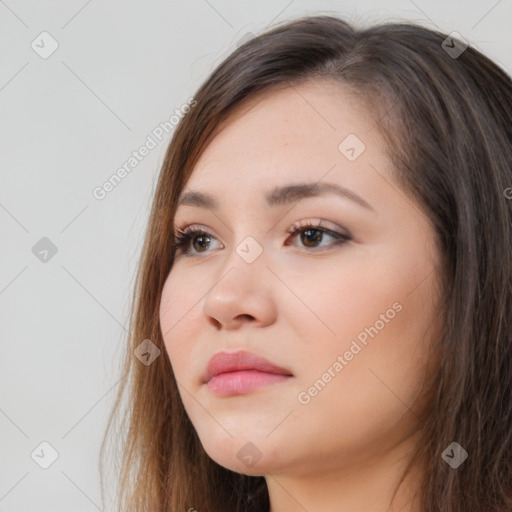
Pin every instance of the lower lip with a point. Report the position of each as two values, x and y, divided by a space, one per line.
242 382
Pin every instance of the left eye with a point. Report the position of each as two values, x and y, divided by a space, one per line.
310 235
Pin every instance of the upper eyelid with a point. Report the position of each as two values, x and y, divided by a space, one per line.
194 228
315 222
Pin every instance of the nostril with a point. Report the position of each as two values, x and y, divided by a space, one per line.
216 323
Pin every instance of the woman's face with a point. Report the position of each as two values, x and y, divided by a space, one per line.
350 319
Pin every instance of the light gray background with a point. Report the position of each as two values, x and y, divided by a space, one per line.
68 123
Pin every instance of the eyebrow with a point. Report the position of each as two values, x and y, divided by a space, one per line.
286 194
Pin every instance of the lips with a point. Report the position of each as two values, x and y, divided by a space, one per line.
225 362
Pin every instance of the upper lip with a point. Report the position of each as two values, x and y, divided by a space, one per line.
223 362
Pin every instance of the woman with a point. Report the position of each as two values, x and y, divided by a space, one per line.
326 283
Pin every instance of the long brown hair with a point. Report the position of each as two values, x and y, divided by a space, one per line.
447 122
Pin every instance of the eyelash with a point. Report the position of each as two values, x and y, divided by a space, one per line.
184 235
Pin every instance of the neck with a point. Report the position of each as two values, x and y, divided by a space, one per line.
365 486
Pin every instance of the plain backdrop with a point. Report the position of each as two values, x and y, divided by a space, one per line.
82 85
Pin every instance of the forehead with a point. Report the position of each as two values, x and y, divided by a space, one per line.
289 135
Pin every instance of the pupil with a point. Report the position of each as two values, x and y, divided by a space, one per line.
201 244
314 238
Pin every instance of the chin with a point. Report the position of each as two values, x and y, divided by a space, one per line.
237 453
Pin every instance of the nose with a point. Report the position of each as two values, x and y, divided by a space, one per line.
241 295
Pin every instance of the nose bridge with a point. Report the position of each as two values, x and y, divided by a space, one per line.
247 240
246 261
242 289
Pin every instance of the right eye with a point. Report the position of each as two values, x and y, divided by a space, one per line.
184 236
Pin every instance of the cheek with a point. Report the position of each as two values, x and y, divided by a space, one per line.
178 308
337 298
181 297
370 395
375 311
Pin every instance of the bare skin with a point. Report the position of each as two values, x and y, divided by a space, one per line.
303 302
